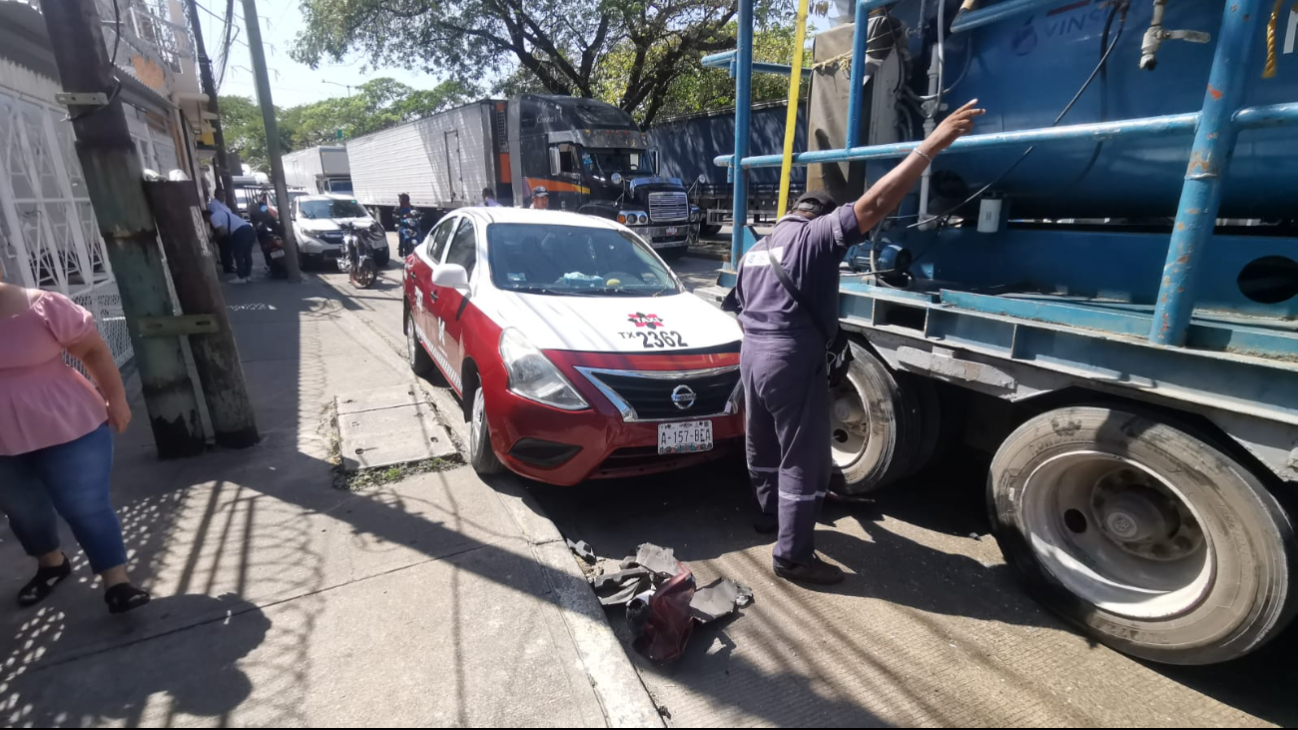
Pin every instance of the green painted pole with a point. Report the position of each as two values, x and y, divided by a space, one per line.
114 178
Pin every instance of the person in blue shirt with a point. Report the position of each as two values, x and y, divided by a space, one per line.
236 255
782 360
489 198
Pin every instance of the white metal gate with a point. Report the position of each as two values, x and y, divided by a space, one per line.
48 235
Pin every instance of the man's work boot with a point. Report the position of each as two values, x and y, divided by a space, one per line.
817 572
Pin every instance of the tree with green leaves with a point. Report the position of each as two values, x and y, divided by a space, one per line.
245 133
697 88
377 104
560 46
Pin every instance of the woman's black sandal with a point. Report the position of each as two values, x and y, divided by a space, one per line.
125 597
42 585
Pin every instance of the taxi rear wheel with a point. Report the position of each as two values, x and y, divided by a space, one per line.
420 363
482 457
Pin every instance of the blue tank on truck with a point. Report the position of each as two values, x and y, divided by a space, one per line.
1099 285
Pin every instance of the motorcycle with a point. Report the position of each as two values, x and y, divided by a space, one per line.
270 236
357 258
407 235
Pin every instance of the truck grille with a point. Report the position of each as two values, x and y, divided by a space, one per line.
668 207
647 395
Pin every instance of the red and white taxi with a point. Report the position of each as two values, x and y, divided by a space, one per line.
575 350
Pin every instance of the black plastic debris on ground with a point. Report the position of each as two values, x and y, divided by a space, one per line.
720 598
662 602
583 550
617 589
660 560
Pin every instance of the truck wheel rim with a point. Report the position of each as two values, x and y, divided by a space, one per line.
1118 535
849 423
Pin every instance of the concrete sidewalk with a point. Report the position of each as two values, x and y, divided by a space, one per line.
283 601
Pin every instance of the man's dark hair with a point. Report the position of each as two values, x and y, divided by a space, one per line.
487 193
814 203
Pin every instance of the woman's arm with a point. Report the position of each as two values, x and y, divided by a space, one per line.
93 352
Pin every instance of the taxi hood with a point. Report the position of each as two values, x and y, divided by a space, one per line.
644 325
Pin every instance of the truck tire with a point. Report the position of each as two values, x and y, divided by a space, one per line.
709 230
878 422
1146 536
482 457
675 253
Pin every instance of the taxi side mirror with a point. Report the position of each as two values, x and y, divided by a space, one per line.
452 276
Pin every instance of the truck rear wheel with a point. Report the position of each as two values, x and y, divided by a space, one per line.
1148 538
883 424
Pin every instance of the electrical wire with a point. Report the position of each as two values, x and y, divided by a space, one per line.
1094 72
228 39
968 62
941 57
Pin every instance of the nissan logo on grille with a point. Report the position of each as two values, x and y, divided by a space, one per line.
683 397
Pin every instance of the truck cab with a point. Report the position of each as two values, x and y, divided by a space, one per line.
593 159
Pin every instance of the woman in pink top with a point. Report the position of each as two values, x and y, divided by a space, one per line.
56 441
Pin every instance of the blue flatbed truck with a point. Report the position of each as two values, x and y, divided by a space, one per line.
1099 285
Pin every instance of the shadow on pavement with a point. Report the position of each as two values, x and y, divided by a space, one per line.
800 654
255 527
67 694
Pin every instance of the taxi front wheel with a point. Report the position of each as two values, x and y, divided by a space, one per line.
482 457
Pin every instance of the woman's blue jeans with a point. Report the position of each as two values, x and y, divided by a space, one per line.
73 480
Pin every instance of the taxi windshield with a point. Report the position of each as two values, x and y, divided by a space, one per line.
574 260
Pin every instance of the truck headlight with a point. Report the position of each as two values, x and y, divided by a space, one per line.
694 214
643 219
534 377
632 218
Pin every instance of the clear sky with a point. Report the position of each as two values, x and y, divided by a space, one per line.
293 83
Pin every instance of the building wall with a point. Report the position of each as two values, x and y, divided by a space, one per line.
49 238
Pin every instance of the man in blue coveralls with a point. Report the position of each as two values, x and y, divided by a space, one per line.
782 361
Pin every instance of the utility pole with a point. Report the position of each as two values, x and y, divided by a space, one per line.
207 322
223 173
272 138
115 180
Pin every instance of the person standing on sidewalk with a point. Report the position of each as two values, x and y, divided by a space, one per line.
782 360
241 234
56 441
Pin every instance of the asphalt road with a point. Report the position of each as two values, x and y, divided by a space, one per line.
930 628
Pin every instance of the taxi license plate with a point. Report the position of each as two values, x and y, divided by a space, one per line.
672 230
685 437
277 254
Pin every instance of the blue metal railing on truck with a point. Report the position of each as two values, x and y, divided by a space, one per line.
1215 127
